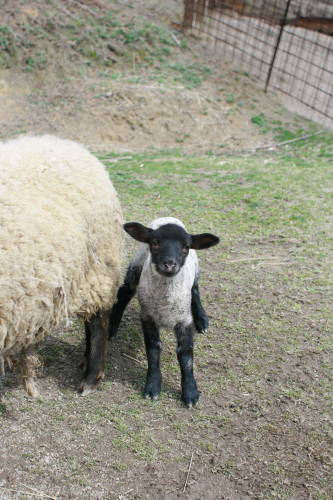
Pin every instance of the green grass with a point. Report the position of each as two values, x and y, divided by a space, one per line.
260 195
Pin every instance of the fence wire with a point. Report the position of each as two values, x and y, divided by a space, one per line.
286 44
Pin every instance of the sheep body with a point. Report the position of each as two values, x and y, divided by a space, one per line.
60 238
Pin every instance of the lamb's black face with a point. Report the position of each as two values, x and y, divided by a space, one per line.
169 247
169 244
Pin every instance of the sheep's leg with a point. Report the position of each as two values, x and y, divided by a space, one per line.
29 363
96 341
2 374
190 393
199 315
153 350
125 293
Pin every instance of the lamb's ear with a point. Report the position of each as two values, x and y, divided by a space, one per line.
138 231
204 240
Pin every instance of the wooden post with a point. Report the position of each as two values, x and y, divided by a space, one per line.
188 14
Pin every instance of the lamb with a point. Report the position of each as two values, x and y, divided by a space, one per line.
61 243
165 271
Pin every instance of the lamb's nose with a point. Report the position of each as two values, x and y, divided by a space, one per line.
169 265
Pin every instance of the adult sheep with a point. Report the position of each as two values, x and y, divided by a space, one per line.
60 249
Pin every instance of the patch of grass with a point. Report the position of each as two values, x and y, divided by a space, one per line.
262 122
119 466
102 40
190 75
230 99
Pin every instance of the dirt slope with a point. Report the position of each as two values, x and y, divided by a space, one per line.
120 76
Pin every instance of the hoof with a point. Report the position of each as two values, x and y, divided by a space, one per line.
152 389
190 397
203 332
87 387
30 387
84 390
201 324
153 397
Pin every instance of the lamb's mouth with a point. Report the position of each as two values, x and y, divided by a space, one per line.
167 274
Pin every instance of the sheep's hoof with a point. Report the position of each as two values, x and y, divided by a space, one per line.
201 324
203 331
152 389
87 387
30 387
153 397
190 397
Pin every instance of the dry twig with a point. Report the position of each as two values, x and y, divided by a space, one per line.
41 493
133 359
27 493
188 472
120 158
84 7
278 144
245 259
175 39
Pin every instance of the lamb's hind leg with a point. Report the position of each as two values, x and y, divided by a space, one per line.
190 393
96 342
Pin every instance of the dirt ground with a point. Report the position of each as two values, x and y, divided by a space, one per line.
262 428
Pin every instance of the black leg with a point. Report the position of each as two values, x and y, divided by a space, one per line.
153 350
96 337
190 393
199 315
125 293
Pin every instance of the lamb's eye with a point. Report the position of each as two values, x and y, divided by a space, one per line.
155 245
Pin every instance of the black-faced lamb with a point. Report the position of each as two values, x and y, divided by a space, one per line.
61 242
165 271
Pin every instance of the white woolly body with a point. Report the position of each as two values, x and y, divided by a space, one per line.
60 238
166 299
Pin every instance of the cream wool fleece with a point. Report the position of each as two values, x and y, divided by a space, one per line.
61 238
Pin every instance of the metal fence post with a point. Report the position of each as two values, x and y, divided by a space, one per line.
283 23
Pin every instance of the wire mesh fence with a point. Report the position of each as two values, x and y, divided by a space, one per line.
286 44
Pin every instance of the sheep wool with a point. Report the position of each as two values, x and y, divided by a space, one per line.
167 300
60 238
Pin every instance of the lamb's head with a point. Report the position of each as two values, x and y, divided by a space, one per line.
169 244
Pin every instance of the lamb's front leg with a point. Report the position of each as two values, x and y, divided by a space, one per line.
153 351
190 393
125 293
199 315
